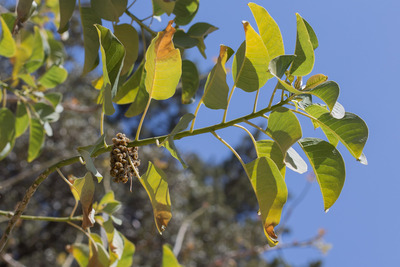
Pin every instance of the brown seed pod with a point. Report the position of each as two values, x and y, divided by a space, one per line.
120 157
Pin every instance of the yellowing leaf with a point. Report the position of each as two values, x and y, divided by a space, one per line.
269 30
250 64
85 188
271 192
7 43
156 185
163 65
169 259
216 89
315 80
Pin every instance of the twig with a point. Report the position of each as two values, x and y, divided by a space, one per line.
10 214
10 261
251 136
138 21
185 225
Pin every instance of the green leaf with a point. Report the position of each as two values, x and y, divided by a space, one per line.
315 80
57 51
327 91
304 51
163 65
115 241
7 43
36 139
90 38
269 30
156 185
141 99
280 64
10 145
129 91
80 253
199 31
216 89
46 112
169 259
271 192
351 130
112 55
328 167
54 76
183 40
311 33
127 253
108 204
88 152
250 64
190 81
169 143
284 128
99 256
160 7
185 11
66 9
85 187
270 149
37 56
129 37
22 119
55 100
109 9
7 129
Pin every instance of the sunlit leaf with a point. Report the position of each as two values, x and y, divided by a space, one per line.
7 43
284 128
185 10
129 37
90 38
37 56
141 99
127 253
7 129
190 81
55 99
85 187
98 255
112 55
311 33
108 204
128 92
338 111
109 9
80 253
351 130
270 149
328 167
250 64
66 9
160 7
304 51
163 65
295 162
54 76
199 31
271 192
46 112
57 51
269 30
170 144
115 241
156 185
36 139
315 80
169 259
22 120
216 89
88 152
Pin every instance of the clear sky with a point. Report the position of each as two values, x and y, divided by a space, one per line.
358 48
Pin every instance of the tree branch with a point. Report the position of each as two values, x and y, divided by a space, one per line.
10 214
138 21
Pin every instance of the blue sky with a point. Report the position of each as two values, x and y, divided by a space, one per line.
359 43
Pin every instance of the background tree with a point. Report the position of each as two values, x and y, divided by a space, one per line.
200 203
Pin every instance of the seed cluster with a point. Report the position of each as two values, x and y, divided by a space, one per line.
121 169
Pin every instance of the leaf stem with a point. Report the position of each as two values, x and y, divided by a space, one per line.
273 95
142 25
102 123
231 149
4 97
195 114
229 101
256 100
142 119
251 136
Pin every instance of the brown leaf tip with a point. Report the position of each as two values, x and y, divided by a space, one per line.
270 231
